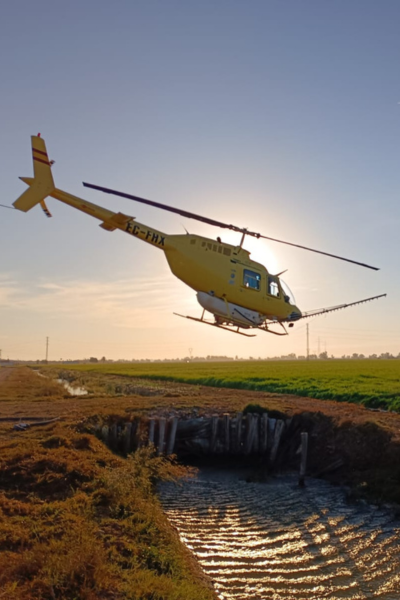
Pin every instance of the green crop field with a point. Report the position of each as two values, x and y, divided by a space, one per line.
373 383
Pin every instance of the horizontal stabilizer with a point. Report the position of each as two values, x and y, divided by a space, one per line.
117 221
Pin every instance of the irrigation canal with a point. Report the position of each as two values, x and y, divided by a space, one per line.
276 541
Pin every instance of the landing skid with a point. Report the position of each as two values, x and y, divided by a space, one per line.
217 325
214 324
267 330
273 332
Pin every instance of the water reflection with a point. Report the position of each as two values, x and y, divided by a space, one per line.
74 391
276 541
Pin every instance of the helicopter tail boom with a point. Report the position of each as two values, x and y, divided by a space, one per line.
42 185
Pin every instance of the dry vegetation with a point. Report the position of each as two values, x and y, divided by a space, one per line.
76 521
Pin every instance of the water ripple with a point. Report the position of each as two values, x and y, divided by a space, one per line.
276 541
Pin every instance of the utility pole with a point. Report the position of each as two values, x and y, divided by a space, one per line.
308 343
47 348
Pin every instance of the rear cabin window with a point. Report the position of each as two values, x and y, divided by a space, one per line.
251 279
214 248
273 287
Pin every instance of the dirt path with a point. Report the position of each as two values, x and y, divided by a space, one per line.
5 373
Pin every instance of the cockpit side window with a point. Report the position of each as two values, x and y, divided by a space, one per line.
251 279
273 286
287 294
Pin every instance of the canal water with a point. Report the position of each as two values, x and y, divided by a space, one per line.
276 541
74 391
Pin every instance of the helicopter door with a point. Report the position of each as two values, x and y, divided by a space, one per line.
273 286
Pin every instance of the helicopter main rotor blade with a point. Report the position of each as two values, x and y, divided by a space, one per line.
243 230
178 211
355 262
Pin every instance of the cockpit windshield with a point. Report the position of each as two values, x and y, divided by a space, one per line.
287 293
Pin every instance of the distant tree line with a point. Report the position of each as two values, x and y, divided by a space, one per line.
215 358
223 358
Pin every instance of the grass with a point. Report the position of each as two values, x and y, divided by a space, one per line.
372 383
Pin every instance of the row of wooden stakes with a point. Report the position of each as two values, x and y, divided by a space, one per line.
245 434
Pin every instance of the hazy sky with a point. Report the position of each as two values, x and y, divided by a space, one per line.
279 116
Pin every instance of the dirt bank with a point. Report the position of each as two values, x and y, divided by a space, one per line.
348 443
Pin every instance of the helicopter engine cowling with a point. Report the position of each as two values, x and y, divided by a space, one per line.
231 313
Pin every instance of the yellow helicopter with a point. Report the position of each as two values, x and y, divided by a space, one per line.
240 293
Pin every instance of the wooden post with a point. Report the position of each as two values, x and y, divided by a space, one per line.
271 432
127 437
214 431
140 436
250 431
264 433
152 425
233 435
113 436
256 437
105 434
239 418
134 434
226 430
161 434
303 462
280 425
173 422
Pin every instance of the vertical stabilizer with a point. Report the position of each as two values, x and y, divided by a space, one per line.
42 184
